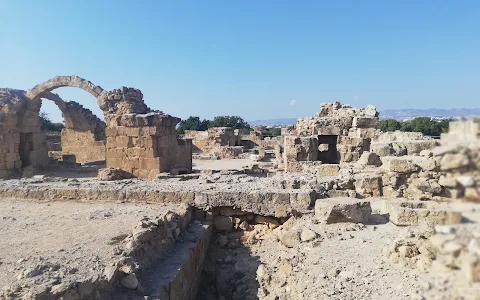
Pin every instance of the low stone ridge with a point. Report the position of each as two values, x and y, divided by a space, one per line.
335 210
111 174
406 214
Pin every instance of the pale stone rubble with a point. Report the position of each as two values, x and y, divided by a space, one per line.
229 143
331 171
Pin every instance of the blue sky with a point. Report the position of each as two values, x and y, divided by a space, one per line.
256 59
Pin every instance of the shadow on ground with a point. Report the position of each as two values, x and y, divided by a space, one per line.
378 219
229 271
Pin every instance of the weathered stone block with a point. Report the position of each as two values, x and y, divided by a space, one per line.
335 210
399 165
369 159
368 185
454 161
365 122
404 216
328 170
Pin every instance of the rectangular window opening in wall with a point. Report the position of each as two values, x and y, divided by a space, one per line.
327 149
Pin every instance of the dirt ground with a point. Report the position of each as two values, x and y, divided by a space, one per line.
343 261
223 164
63 241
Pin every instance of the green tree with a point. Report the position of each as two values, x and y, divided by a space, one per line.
425 125
276 131
193 123
444 124
47 125
235 122
389 125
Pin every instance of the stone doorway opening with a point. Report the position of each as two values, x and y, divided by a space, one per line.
327 149
25 148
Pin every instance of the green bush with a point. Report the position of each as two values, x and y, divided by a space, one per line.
194 123
47 125
271 131
425 125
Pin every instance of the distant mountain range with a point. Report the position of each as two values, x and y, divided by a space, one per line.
406 114
398 114
274 122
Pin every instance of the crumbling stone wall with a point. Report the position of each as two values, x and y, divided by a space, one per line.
11 103
214 140
341 134
138 140
141 141
462 130
399 143
84 133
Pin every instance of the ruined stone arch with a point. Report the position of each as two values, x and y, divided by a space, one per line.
135 138
77 117
64 81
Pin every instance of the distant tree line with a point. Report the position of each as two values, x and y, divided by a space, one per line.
275 131
195 123
46 124
425 125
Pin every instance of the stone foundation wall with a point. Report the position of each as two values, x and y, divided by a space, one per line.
207 142
83 145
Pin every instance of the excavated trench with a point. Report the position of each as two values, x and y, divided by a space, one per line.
230 268
210 259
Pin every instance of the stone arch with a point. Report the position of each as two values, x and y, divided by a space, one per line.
64 81
77 117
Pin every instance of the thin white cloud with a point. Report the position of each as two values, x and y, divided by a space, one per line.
292 102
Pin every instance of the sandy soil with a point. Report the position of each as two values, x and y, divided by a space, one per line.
63 241
223 164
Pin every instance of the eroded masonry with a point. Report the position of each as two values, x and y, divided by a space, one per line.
134 138
332 209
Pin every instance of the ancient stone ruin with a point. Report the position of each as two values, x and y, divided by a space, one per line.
338 133
133 138
336 210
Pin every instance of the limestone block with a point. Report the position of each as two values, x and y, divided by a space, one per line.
369 159
365 122
399 165
368 185
404 216
328 170
110 174
454 161
472 192
335 210
449 182
428 164
382 149
466 181
415 147
391 192
123 142
425 185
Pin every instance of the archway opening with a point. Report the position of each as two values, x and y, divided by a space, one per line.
58 131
